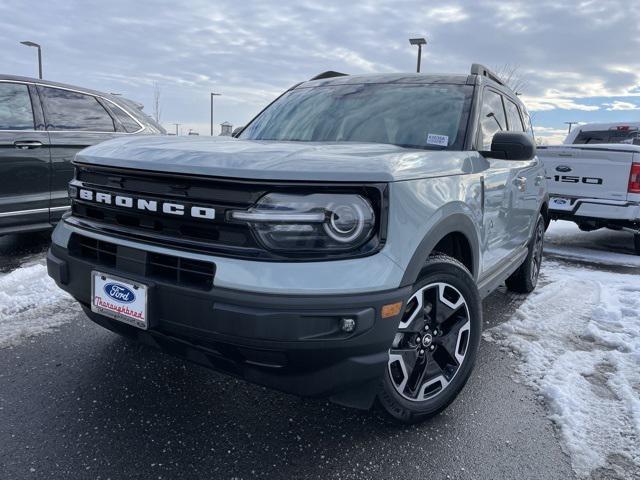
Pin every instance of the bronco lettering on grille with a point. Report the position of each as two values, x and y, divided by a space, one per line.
170 208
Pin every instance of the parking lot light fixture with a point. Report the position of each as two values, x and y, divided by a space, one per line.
419 42
33 44
571 124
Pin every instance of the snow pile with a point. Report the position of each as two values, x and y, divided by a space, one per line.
31 303
579 338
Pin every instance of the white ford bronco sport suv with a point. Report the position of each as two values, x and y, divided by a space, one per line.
339 247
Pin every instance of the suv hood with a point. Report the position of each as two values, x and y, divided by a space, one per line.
271 160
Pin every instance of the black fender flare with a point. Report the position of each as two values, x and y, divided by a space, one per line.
454 223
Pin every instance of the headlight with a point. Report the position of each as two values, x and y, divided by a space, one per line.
321 221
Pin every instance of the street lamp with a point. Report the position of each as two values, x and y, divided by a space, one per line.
419 42
570 125
33 44
213 95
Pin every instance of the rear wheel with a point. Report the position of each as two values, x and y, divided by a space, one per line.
525 278
435 348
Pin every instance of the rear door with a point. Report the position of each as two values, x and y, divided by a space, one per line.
528 180
584 171
24 159
74 120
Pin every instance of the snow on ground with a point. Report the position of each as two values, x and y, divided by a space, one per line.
31 303
606 247
579 339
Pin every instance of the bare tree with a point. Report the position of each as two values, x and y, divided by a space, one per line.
512 77
157 110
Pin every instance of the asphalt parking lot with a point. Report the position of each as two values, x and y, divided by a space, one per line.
81 402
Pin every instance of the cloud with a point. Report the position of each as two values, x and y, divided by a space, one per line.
575 58
447 14
618 105
552 103
550 135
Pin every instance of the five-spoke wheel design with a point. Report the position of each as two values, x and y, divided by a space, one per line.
431 343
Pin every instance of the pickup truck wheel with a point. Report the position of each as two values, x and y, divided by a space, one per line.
525 278
636 242
435 348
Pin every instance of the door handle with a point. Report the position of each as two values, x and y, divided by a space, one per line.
26 144
521 183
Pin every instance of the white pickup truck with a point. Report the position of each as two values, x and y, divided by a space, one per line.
594 178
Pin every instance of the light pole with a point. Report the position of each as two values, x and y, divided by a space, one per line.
177 125
213 95
570 125
33 44
419 42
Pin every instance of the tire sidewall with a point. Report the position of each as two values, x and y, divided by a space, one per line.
452 272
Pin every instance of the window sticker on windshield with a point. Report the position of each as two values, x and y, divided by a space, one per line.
442 140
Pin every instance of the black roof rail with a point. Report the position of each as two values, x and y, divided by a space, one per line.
328 74
478 69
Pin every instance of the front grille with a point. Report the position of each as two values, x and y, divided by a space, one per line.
218 235
155 266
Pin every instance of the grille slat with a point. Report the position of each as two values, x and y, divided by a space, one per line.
160 267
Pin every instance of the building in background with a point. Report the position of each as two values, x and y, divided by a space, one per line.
225 129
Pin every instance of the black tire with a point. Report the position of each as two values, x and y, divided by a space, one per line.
525 278
442 279
636 242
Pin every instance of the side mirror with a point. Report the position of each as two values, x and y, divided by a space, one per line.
512 146
237 131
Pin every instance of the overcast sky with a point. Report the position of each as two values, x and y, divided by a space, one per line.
580 60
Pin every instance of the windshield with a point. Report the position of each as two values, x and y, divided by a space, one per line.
410 115
615 135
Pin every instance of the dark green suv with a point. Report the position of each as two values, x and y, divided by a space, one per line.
42 126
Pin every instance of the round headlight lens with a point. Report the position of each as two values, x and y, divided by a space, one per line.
346 222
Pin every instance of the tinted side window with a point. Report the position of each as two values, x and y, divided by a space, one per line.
16 112
66 110
492 117
515 122
129 124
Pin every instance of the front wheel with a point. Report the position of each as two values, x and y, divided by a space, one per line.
435 347
636 242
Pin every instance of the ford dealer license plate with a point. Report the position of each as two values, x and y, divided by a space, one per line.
120 299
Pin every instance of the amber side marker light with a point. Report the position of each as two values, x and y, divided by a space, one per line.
391 310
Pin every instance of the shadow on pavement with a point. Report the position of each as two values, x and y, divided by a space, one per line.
16 249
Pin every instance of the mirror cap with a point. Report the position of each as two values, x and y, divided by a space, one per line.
512 146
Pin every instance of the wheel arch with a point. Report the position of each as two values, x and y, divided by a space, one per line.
457 236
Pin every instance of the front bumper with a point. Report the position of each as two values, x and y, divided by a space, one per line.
292 343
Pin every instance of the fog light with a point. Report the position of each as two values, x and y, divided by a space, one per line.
73 191
348 325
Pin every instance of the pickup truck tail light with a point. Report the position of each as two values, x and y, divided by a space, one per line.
634 178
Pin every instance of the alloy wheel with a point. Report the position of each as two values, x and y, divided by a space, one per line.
431 343
536 257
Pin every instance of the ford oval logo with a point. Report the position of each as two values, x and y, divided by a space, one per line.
563 168
119 293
